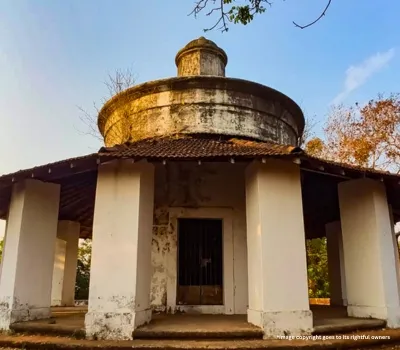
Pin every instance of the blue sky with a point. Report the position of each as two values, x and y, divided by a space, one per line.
54 55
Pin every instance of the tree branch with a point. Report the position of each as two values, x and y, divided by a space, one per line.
200 5
243 14
115 83
315 21
223 15
237 14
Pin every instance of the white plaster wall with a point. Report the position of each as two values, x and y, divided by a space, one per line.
25 289
4 244
58 273
65 263
121 266
276 237
337 280
119 184
395 247
254 243
369 255
210 189
362 261
278 293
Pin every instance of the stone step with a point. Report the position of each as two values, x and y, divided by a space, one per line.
71 331
198 334
47 330
351 325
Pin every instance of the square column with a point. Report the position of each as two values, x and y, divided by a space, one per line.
65 264
395 246
4 244
121 270
27 269
58 273
277 266
369 252
337 279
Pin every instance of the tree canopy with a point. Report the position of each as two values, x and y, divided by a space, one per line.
229 11
317 268
365 135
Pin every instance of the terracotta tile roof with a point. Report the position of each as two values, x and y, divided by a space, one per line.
181 148
197 148
184 148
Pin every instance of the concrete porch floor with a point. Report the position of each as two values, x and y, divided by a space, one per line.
70 322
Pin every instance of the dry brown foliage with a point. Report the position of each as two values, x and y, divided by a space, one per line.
367 135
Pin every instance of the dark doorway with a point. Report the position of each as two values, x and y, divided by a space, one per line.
199 262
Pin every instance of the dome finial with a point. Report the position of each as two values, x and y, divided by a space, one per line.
201 57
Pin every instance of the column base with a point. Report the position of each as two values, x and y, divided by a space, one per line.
68 303
390 314
114 325
282 323
8 316
62 303
56 303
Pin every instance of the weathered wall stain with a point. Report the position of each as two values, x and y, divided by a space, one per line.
198 109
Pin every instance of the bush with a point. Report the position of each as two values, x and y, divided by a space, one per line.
317 268
83 270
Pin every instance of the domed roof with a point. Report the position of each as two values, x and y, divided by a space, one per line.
201 100
202 44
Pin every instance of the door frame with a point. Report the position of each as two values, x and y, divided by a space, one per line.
226 215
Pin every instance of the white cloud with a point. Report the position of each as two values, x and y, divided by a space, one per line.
357 75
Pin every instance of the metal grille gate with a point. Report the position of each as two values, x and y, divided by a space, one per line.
200 262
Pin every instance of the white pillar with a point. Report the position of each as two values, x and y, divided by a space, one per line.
120 277
58 273
65 263
4 244
369 256
25 289
395 247
337 279
277 266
